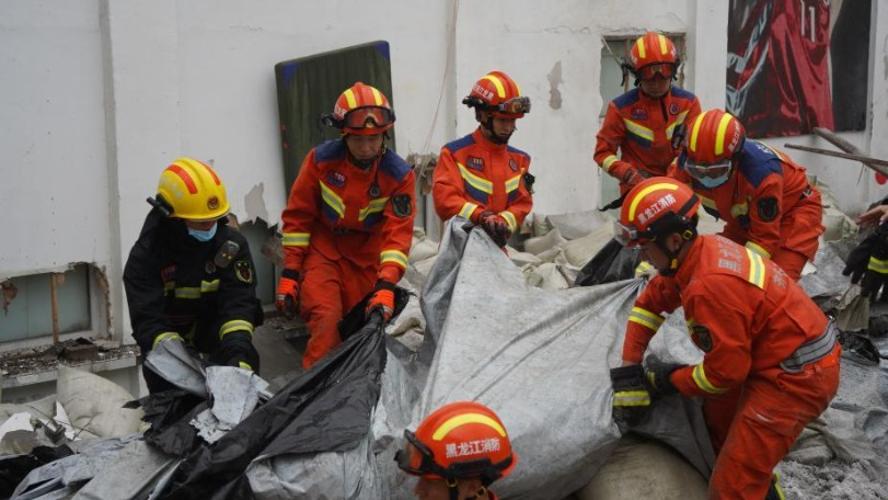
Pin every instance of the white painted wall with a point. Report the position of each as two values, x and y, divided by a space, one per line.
97 96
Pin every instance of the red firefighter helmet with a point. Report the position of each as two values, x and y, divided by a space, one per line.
361 110
461 440
655 207
714 138
498 93
652 54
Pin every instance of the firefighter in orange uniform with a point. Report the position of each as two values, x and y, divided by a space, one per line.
763 196
646 123
480 177
348 224
770 357
457 452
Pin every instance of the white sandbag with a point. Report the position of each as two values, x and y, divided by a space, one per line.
645 469
521 259
548 241
581 250
546 276
422 249
575 225
40 408
96 404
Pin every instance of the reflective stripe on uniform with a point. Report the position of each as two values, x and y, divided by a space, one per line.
510 220
609 162
473 180
877 265
646 318
393 257
235 325
376 205
812 351
699 375
755 247
332 200
643 267
244 365
296 239
512 184
632 398
194 292
467 210
679 119
756 269
164 336
639 129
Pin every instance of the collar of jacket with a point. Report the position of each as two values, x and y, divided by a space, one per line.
687 266
483 141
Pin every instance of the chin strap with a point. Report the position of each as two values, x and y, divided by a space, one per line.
686 235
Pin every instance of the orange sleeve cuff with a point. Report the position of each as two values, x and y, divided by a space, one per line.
637 339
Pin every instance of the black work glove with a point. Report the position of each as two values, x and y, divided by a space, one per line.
658 376
868 264
236 349
632 399
495 226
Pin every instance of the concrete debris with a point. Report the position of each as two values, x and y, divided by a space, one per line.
74 351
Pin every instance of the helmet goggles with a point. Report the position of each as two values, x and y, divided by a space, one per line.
629 235
363 116
708 175
665 70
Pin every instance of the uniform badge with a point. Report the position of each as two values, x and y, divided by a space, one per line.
513 165
210 268
374 190
639 114
213 203
673 109
335 178
475 163
243 271
226 254
701 337
768 208
401 205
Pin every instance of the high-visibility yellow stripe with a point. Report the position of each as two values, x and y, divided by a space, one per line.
645 318
235 325
296 239
632 398
512 184
394 257
244 365
638 129
679 119
375 205
699 376
350 98
187 292
209 286
609 162
643 267
720 134
664 49
510 220
756 269
692 146
475 181
467 210
639 44
646 191
495 80
377 97
467 418
164 336
877 265
755 247
332 199
707 202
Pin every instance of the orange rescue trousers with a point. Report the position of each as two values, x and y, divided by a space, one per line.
330 288
753 426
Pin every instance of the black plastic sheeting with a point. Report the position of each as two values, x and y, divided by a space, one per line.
613 262
14 468
328 408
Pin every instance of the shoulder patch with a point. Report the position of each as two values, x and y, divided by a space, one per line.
682 93
758 162
330 150
768 208
518 152
394 166
626 99
243 271
458 144
401 205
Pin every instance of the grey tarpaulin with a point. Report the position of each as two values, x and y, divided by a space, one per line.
539 358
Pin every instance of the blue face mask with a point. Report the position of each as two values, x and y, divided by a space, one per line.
203 236
714 182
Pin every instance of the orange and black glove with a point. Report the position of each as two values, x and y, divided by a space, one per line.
495 226
382 300
287 298
629 175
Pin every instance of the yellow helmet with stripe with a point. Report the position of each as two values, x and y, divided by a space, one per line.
190 189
